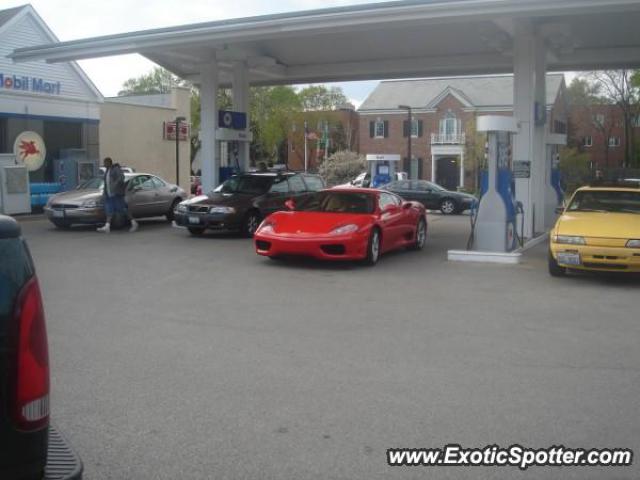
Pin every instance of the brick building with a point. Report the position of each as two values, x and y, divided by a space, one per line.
445 146
598 130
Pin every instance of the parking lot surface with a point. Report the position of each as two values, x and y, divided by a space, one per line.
176 357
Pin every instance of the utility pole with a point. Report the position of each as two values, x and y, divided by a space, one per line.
409 132
178 120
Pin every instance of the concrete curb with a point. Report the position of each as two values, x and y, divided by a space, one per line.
484 257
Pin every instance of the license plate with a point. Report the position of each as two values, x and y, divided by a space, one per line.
569 258
58 213
194 220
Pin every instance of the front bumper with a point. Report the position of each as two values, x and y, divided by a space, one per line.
344 247
70 216
600 258
224 222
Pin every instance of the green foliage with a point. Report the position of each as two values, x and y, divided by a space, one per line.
342 167
319 97
575 167
159 80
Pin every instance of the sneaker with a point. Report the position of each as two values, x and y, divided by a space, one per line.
105 229
134 226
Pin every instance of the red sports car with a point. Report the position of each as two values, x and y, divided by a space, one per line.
344 224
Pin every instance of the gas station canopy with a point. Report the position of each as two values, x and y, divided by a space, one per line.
376 41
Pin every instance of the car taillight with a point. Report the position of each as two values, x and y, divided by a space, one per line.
30 373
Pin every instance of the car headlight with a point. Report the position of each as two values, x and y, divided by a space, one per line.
222 210
344 229
569 240
90 203
635 243
182 207
266 226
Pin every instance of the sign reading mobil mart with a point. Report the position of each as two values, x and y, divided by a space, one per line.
28 84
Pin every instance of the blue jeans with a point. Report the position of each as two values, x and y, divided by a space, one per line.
114 205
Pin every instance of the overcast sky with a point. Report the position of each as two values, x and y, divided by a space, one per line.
73 19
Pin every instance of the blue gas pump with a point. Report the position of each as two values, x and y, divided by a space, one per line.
556 179
494 225
382 175
382 168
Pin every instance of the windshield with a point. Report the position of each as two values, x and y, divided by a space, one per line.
337 202
92 184
619 201
255 185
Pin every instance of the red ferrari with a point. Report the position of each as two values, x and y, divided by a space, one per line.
343 224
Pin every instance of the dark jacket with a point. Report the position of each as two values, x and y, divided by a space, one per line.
115 177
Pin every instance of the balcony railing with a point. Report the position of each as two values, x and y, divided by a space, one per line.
448 139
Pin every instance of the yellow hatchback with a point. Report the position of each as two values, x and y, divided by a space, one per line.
599 230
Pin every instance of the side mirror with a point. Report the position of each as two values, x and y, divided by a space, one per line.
174 189
290 204
406 205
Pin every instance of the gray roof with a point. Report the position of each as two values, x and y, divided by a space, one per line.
9 13
482 91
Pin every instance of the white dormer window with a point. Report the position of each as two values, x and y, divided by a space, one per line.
450 125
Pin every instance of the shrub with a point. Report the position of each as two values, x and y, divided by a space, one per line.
342 167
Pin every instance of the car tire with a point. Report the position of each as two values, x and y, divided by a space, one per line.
556 270
373 247
250 223
61 225
421 235
448 206
170 216
195 230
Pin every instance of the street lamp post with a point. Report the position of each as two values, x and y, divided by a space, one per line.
409 132
178 120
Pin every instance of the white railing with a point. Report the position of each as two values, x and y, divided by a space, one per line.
447 139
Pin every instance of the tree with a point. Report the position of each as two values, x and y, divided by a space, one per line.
159 80
575 167
272 110
319 97
620 87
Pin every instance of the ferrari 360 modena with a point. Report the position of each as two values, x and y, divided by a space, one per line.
343 224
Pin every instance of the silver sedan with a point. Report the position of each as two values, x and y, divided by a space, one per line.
146 195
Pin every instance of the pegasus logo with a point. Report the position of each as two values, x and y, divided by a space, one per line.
27 149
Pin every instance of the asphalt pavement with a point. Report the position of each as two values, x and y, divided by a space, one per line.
175 357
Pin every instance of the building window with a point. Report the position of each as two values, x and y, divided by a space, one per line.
379 129
614 141
559 127
598 120
416 128
588 141
450 125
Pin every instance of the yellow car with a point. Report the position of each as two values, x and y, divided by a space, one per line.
599 230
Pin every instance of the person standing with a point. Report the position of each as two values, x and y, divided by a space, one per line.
114 190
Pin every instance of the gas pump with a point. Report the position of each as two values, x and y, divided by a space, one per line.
494 223
382 168
554 194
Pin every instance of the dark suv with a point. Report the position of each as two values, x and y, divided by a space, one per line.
29 447
240 203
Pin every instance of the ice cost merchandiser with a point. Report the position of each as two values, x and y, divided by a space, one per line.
15 195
